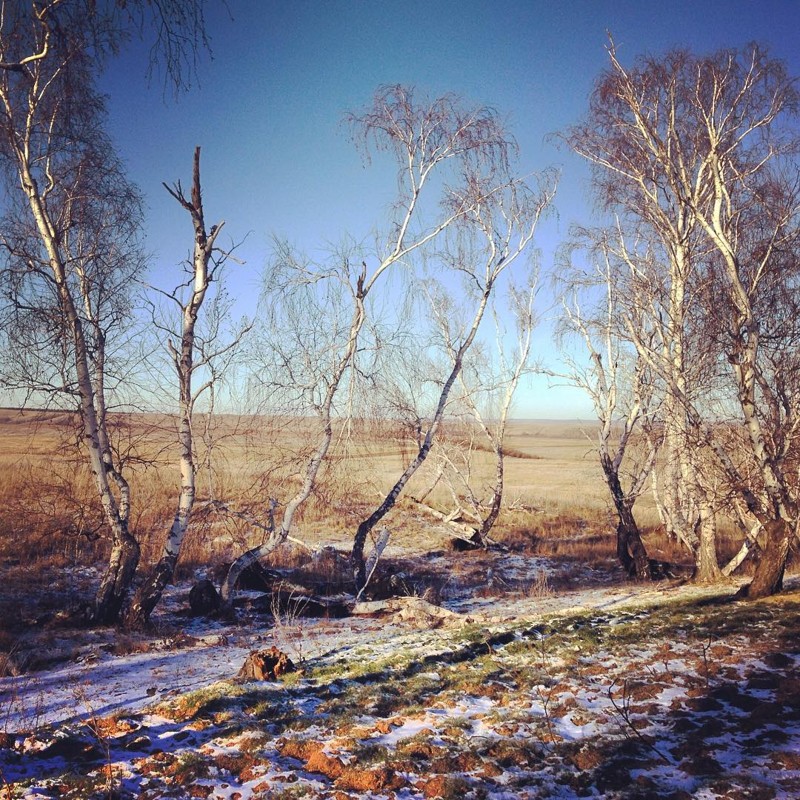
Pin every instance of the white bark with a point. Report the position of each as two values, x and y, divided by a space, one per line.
183 359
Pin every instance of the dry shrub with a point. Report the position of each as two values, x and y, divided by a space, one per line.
539 587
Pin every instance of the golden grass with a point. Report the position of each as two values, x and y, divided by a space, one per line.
555 495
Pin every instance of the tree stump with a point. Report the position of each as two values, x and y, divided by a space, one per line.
266 665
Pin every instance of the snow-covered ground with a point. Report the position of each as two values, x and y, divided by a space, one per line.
612 691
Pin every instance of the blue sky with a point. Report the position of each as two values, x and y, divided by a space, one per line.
269 105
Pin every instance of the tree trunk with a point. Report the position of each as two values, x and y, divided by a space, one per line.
360 539
768 577
312 470
366 526
707 568
150 592
114 587
244 561
482 535
631 551
124 556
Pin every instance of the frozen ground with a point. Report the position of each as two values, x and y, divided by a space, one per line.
614 691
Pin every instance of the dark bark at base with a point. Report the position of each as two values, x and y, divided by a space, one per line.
482 535
117 581
631 551
359 564
467 545
768 577
150 592
357 556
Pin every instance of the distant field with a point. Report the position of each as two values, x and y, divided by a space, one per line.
553 482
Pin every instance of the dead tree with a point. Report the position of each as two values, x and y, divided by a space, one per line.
205 263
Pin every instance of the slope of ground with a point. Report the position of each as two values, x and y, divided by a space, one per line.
618 692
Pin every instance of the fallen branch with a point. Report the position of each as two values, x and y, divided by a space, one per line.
458 530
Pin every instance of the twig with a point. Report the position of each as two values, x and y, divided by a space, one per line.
625 713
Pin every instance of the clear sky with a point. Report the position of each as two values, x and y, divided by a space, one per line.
269 105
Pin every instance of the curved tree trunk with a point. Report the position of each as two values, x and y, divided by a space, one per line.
282 534
117 580
366 526
768 577
631 551
124 556
482 534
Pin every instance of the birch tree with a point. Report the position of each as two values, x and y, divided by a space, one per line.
619 383
700 151
494 233
66 270
746 112
72 249
628 137
487 385
206 261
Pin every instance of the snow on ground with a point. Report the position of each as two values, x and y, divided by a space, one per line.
100 682
642 691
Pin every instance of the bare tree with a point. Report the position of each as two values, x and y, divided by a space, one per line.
744 103
657 242
206 262
317 318
495 233
620 385
71 260
488 385
698 150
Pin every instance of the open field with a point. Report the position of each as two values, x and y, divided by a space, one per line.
551 473
533 671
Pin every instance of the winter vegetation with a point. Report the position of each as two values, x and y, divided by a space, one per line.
314 553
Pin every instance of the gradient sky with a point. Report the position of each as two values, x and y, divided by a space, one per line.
268 111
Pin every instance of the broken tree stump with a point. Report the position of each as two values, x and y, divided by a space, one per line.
266 665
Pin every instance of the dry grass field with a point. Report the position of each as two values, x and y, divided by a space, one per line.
553 483
51 528
555 497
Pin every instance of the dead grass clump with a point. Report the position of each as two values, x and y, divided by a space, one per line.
539 587
125 645
559 537
45 516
